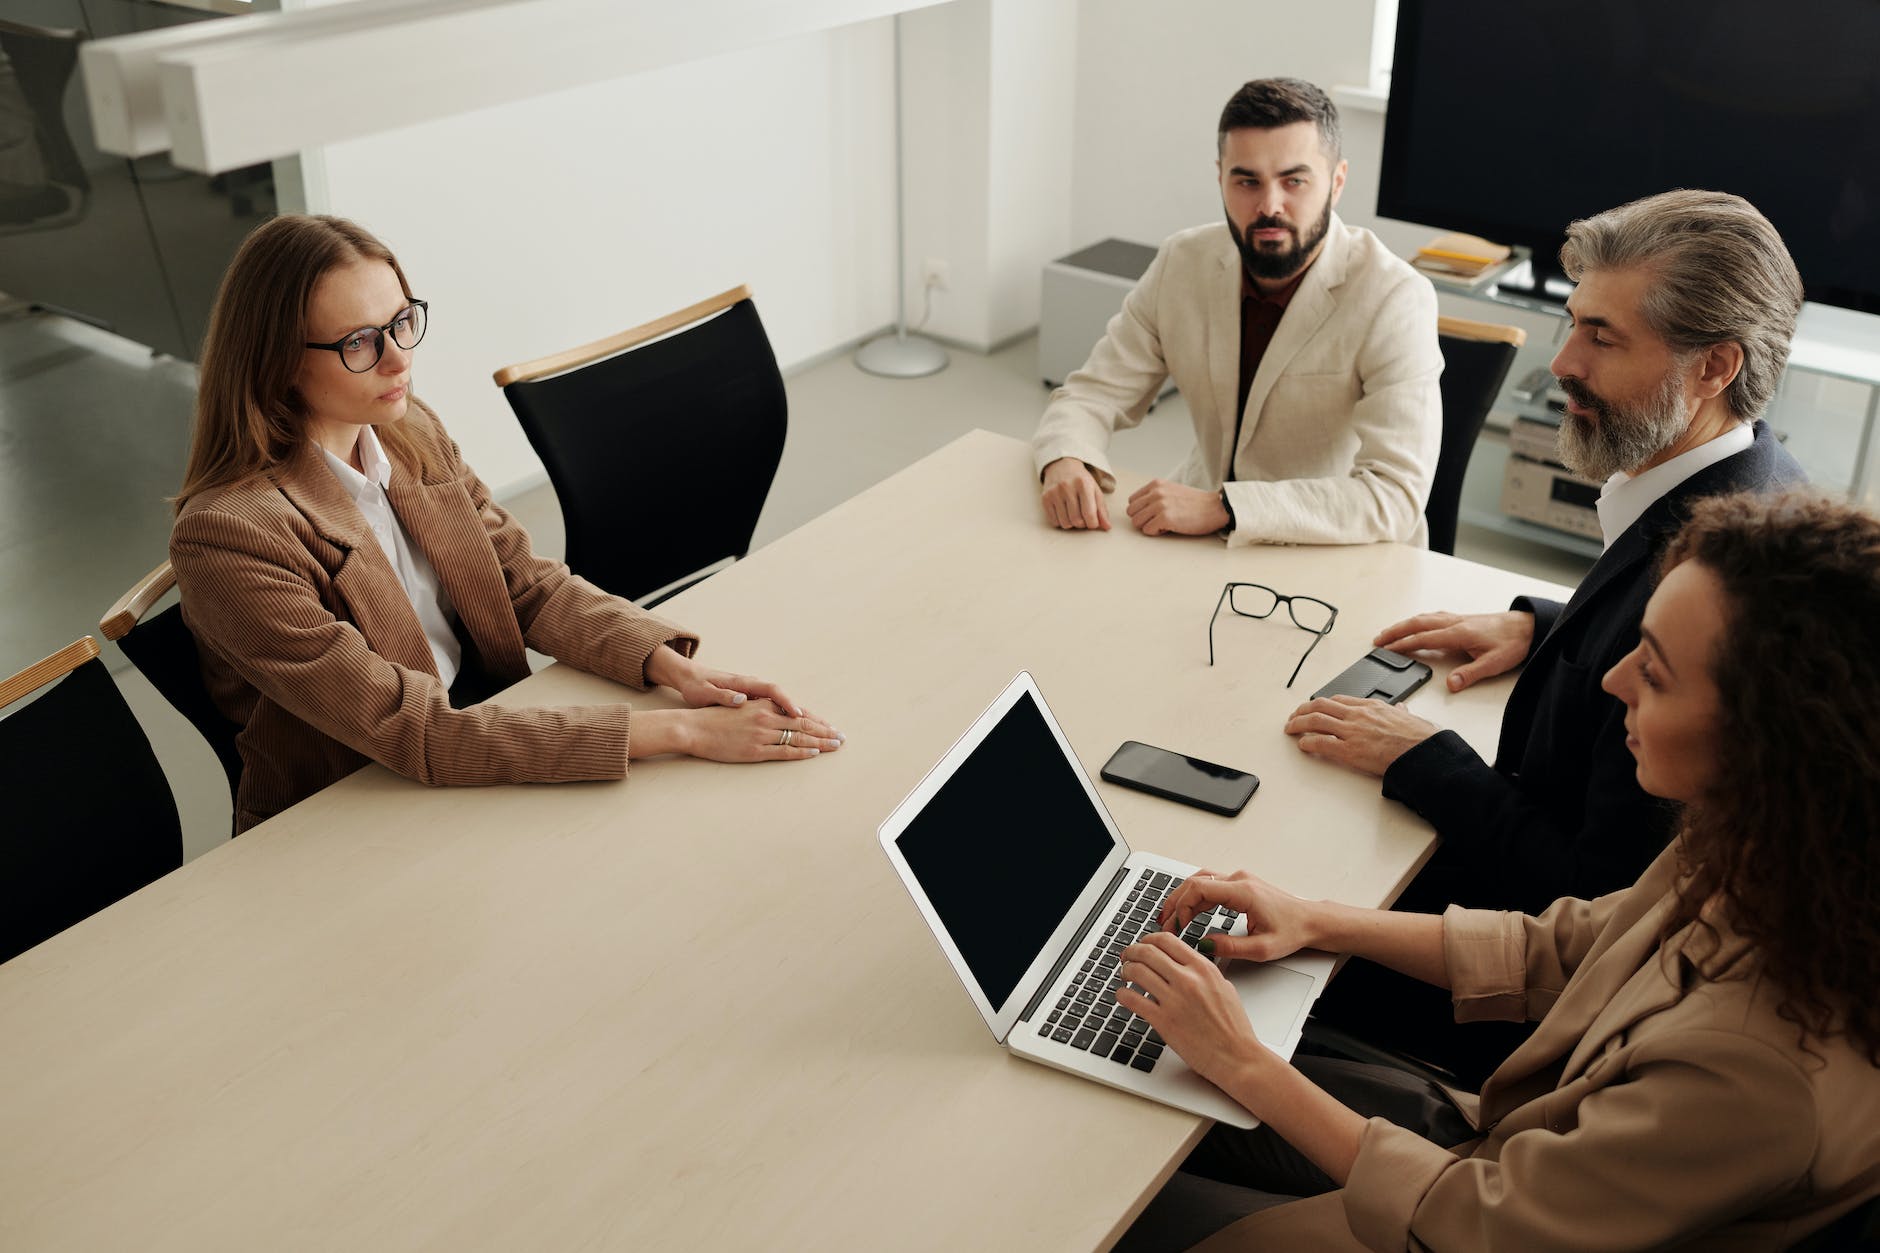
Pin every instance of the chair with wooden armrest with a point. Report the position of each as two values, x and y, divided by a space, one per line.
89 816
661 443
164 652
1476 360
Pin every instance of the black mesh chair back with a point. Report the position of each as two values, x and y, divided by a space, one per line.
164 652
1476 360
90 817
661 450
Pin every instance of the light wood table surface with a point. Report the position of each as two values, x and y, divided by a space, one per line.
696 1009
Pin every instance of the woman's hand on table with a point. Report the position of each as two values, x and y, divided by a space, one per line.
754 731
701 686
759 731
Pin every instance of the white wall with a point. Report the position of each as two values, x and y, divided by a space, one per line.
1150 85
990 91
1034 115
1033 127
537 226
947 99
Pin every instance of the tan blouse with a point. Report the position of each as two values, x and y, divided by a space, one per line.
1662 1101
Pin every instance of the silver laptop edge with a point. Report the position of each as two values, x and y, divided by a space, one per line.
1277 995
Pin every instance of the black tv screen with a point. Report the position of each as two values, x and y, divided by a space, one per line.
1511 120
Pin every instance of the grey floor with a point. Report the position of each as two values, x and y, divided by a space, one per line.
93 431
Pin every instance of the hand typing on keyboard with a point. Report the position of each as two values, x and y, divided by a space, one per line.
1182 995
1088 1016
1190 1004
1278 923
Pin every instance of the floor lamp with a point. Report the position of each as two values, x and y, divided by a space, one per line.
899 355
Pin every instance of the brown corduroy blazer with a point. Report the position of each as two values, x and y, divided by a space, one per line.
1663 1101
310 644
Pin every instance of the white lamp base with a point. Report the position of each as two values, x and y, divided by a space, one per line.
901 356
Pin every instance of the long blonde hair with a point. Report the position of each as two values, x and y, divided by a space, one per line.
249 417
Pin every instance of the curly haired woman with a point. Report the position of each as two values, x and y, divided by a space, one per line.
1706 1072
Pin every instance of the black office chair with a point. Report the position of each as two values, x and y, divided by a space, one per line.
164 652
661 443
89 815
1476 360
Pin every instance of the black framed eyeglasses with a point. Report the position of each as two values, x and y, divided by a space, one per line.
362 349
1257 600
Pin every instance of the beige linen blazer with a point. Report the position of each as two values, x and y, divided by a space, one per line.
1344 417
310 644
1661 1102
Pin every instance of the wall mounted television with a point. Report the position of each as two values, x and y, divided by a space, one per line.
1511 120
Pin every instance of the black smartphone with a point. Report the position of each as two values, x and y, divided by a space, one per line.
1173 776
1380 674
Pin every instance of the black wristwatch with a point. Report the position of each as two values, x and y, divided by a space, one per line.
1229 506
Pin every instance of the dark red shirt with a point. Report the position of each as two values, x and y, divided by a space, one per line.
1259 318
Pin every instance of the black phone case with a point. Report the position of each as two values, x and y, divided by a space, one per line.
1226 811
1381 674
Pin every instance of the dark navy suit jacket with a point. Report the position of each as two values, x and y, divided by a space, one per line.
1561 812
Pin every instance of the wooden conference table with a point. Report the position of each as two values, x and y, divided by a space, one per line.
696 1010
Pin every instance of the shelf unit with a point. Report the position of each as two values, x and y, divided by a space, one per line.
1481 502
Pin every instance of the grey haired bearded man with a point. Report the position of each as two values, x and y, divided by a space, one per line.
1681 321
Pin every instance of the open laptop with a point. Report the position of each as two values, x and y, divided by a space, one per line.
1032 891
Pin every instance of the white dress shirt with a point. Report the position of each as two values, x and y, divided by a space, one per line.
1625 498
413 567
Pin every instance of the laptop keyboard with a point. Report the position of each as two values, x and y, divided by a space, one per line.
1087 1016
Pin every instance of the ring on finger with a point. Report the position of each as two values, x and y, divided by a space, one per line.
783 741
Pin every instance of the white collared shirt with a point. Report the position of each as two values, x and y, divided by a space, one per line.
412 566
1625 498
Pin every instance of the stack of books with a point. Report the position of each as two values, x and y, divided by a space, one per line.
1463 260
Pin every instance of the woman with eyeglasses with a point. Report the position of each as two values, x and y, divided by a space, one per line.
1706 1069
354 590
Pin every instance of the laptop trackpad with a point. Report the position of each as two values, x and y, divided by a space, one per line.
1276 999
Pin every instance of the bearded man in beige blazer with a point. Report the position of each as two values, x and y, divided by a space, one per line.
1305 349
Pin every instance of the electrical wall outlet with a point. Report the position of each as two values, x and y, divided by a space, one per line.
933 273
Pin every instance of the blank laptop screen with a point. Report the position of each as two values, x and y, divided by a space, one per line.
1004 848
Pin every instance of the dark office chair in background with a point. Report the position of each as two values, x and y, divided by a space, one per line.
52 189
89 815
661 443
1476 360
164 652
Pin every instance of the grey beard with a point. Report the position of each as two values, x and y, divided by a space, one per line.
1625 437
